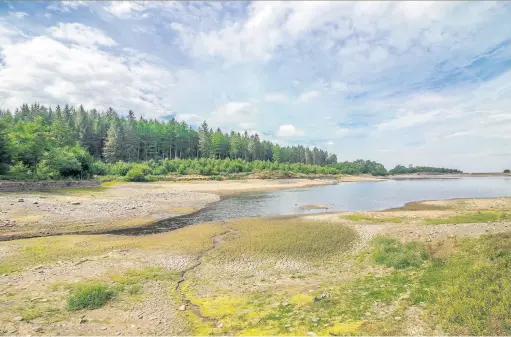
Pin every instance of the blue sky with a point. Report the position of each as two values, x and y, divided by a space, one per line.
427 83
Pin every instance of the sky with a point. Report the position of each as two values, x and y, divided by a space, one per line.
422 83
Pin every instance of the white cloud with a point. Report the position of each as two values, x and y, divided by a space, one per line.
125 9
67 6
18 15
190 119
80 74
80 34
276 97
289 130
309 95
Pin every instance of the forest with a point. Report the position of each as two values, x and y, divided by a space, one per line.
41 142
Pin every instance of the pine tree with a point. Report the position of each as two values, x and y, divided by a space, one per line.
113 146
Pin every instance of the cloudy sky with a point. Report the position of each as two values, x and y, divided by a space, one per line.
424 83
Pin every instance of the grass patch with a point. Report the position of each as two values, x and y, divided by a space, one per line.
469 292
289 238
419 206
360 217
392 253
39 251
476 217
89 296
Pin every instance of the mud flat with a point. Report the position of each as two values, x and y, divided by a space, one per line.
422 269
124 205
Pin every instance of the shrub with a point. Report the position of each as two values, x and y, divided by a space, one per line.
507 171
91 296
392 253
138 172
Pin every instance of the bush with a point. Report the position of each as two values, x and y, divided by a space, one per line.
91 296
507 171
138 172
392 253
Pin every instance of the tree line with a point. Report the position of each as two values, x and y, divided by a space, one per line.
400 169
43 142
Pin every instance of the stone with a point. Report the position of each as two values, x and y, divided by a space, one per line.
182 307
220 325
103 328
285 304
310 333
315 319
82 320
75 203
397 318
35 202
17 319
21 200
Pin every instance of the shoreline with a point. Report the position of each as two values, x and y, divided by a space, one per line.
121 206
185 199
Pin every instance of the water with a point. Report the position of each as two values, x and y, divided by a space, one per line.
357 196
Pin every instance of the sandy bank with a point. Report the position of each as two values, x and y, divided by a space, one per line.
126 205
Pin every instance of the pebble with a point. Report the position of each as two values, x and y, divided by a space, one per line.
315 319
397 318
21 200
103 328
310 333
17 319
182 307
75 203
35 202
220 325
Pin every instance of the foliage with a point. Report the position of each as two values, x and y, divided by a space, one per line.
507 171
89 296
393 253
138 172
400 169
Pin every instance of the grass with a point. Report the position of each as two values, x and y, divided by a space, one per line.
392 253
288 238
476 217
468 293
419 206
46 250
90 296
360 217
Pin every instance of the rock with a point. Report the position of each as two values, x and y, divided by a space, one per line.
35 202
38 329
82 320
182 307
310 333
37 267
288 325
21 200
315 319
220 325
17 319
103 328
75 203
35 299
285 304
397 318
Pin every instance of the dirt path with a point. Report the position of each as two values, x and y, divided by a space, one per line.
187 303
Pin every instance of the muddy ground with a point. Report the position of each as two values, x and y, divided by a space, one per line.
28 214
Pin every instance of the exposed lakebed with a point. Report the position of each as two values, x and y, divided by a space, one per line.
356 196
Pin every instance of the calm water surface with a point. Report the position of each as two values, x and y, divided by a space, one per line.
357 196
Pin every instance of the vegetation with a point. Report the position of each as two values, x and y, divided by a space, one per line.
400 169
39 142
476 217
310 240
89 296
507 171
393 253
372 218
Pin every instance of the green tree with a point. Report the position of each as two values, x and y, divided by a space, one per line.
113 146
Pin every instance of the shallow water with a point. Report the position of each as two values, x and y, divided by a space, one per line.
356 196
